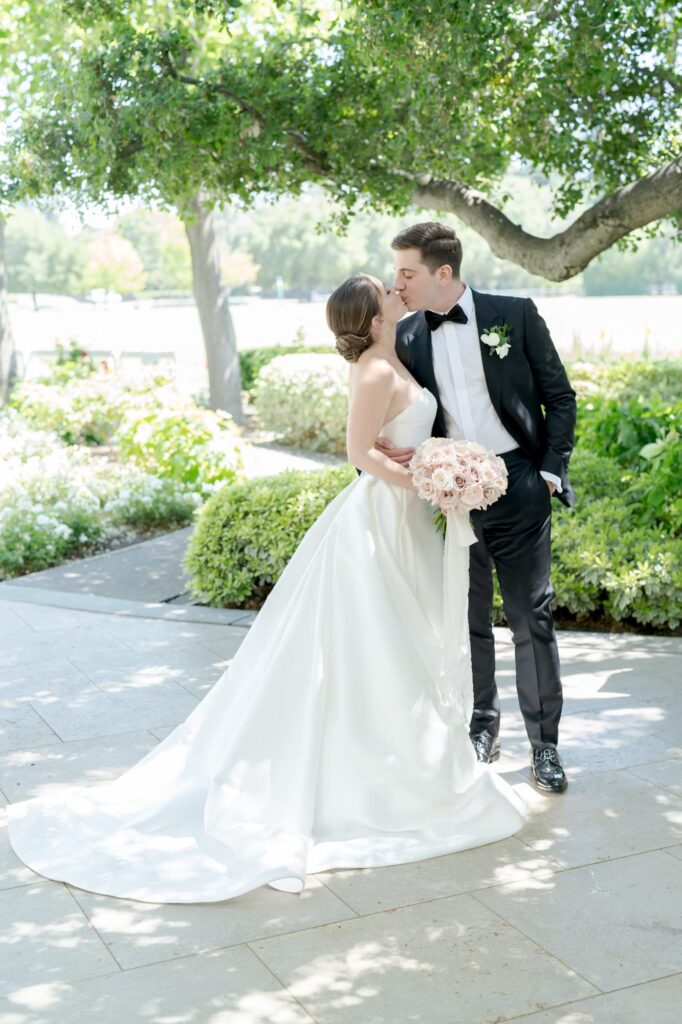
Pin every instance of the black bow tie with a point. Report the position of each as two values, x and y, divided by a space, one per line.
456 314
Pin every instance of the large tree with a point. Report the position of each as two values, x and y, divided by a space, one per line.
58 78
386 102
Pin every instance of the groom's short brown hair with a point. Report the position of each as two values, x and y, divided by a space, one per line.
437 243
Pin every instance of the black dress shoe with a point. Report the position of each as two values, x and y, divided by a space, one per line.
547 770
487 747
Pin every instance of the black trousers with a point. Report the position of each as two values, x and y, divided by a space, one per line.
514 538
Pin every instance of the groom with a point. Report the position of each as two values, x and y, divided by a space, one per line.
491 364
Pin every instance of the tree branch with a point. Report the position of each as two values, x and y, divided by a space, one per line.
312 160
560 257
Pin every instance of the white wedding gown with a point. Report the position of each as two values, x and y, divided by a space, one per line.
337 738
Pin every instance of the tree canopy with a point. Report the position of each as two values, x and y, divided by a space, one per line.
382 102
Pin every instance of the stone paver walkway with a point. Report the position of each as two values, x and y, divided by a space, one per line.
575 920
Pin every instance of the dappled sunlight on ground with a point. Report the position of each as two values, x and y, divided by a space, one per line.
584 899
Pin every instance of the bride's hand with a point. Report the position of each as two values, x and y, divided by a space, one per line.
400 455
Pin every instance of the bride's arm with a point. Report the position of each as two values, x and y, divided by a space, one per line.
369 402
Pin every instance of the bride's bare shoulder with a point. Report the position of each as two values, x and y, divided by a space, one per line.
372 370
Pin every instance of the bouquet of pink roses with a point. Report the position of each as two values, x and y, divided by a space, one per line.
457 476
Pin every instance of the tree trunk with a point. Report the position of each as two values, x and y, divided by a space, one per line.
224 378
8 358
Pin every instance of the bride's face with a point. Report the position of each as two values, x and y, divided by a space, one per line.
392 306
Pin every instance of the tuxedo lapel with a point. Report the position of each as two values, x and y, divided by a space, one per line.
416 352
488 317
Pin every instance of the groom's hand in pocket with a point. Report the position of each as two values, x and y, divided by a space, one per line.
399 455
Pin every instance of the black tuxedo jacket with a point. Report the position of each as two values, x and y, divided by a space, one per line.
529 388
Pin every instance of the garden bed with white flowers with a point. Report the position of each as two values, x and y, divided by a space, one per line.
90 461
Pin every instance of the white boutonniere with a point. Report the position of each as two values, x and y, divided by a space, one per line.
497 338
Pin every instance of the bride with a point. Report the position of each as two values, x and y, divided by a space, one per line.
339 735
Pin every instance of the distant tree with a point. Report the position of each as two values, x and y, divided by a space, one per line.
112 263
655 267
40 255
237 268
160 239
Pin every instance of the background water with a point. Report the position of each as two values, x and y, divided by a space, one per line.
617 325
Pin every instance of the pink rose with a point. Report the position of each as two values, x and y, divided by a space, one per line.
449 504
473 495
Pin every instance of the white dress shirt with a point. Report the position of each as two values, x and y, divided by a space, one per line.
458 368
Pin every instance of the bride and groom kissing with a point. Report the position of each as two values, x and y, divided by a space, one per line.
335 739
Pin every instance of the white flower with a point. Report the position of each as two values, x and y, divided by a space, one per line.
42 520
491 339
503 350
442 479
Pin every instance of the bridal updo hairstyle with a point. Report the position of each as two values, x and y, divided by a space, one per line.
350 309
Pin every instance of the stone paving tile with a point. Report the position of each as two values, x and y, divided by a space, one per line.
84 641
144 933
37 771
645 677
369 890
676 851
621 644
42 619
41 681
150 634
616 923
601 816
449 961
225 648
12 627
604 684
160 734
669 730
654 1002
103 714
195 668
45 938
13 872
666 774
148 571
228 986
21 726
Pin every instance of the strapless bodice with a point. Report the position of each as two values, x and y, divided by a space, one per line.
413 425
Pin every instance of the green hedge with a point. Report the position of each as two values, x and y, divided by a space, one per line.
605 562
252 361
617 556
248 531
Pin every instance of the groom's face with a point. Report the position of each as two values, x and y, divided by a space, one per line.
417 286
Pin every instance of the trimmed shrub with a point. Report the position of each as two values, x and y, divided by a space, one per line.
606 564
252 361
304 399
247 532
